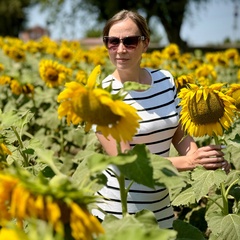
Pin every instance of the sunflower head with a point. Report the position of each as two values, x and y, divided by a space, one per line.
183 80
93 105
56 202
206 110
1 67
53 73
234 92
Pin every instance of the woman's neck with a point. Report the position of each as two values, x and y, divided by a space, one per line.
139 76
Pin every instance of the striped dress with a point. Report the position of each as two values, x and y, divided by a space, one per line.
159 111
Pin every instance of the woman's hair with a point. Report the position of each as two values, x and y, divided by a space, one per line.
134 16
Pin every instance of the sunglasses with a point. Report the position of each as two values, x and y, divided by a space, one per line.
129 42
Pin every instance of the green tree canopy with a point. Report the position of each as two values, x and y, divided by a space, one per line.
12 16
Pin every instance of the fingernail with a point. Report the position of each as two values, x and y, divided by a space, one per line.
223 146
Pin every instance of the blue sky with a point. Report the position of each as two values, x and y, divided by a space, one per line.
211 23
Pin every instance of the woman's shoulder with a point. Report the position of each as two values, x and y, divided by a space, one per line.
159 73
110 80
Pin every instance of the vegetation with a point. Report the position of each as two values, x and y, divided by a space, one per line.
51 162
171 14
13 17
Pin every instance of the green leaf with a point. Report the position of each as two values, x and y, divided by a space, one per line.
225 227
29 151
236 140
129 228
204 180
185 197
235 192
165 174
147 218
15 119
187 231
140 170
232 176
82 176
129 86
99 162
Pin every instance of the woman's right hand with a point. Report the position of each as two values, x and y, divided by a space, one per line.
210 157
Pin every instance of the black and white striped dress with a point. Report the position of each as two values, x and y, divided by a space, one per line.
159 110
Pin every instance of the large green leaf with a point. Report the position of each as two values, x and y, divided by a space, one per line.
186 197
186 231
140 227
15 119
204 180
233 176
224 227
165 174
99 162
140 170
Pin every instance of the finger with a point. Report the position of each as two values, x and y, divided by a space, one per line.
212 160
226 166
214 147
213 166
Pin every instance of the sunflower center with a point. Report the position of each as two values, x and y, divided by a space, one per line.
52 74
206 111
90 109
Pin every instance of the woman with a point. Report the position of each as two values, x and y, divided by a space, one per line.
126 36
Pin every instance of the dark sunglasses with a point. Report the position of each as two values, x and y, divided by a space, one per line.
129 42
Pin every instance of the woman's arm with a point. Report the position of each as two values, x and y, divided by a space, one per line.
210 157
110 146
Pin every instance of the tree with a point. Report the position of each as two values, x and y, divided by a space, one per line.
12 16
170 13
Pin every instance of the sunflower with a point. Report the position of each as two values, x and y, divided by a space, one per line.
232 54
206 110
23 198
5 80
234 92
13 234
27 88
81 77
16 53
96 106
7 183
183 80
172 51
206 71
1 67
65 54
53 73
15 87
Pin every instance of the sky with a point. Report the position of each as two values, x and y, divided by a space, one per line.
212 23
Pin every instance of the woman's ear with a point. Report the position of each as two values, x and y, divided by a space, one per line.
146 44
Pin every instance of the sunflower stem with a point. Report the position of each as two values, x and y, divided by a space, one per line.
25 157
61 138
123 194
123 190
224 199
224 193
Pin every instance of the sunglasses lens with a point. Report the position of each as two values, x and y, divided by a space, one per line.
111 42
131 42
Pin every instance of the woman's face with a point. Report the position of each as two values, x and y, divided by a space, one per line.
121 56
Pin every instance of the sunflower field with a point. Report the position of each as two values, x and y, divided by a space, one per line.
51 164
